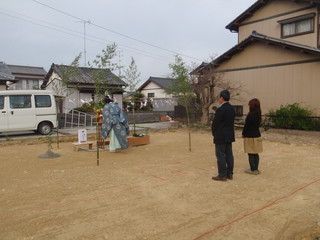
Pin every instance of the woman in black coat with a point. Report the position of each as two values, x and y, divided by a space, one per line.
252 136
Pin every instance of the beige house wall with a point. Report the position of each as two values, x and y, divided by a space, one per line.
276 7
274 85
260 53
270 26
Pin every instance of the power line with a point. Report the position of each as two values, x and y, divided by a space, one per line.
115 32
42 25
78 34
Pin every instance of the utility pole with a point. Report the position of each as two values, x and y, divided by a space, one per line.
84 38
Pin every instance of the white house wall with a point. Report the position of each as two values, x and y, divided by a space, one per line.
57 81
156 89
72 97
72 100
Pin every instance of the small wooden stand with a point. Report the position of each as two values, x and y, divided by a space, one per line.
77 145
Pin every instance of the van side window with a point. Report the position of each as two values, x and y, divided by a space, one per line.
1 102
20 101
43 101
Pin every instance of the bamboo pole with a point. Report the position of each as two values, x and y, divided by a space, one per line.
97 138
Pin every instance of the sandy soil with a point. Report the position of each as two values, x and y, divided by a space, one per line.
161 190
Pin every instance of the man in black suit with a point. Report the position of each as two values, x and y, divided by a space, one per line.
223 135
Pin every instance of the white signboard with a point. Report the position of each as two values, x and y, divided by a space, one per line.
82 135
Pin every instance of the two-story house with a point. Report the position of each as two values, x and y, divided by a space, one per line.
16 77
277 58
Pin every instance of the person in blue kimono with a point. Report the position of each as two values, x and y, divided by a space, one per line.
115 125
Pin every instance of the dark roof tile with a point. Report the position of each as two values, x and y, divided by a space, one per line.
85 75
27 70
5 73
161 82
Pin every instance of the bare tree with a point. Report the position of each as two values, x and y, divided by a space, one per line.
207 84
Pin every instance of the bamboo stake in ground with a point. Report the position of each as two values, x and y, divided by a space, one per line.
97 138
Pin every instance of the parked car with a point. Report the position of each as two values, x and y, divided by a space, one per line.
22 110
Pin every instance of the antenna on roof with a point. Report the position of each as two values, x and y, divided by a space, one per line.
84 41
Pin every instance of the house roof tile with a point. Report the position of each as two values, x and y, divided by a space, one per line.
5 73
27 70
254 37
234 25
84 75
161 82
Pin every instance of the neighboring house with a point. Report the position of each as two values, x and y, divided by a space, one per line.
6 78
154 89
127 96
28 77
80 88
277 58
25 77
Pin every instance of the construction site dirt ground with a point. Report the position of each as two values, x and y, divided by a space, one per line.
161 190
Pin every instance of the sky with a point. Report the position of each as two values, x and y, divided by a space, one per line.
41 32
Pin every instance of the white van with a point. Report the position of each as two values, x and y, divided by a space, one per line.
22 110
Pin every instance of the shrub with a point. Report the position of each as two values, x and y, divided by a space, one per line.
90 107
292 116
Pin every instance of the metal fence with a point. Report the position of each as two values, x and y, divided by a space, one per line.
74 118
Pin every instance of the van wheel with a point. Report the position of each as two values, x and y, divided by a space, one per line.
45 128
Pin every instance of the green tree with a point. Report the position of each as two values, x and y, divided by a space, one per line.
132 76
181 87
101 69
60 86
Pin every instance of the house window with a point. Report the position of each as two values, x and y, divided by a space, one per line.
238 110
32 84
297 26
19 85
150 95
